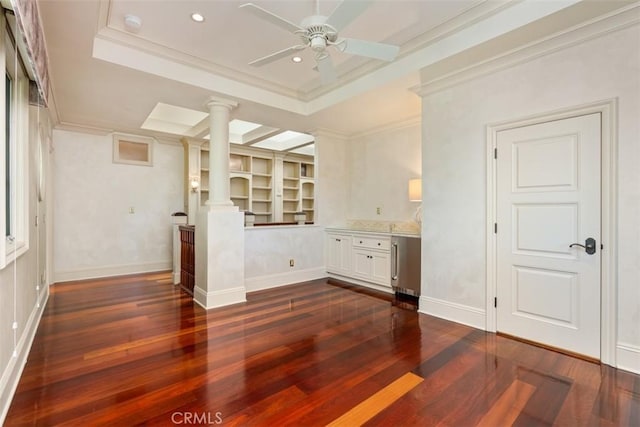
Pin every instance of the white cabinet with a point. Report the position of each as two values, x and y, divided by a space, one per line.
371 259
338 253
365 258
372 266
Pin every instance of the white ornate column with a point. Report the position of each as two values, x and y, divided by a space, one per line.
219 192
220 228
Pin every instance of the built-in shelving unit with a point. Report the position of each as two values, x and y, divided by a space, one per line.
204 175
273 185
262 189
290 190
240 185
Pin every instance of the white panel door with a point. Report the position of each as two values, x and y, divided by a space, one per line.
548 186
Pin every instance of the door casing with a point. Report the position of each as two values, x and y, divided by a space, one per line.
608 283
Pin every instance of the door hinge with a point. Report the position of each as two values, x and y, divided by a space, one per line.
495 153
601 246
495 228
495 302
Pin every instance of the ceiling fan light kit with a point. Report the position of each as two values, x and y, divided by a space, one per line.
319 32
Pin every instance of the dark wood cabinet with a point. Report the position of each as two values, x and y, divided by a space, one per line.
187 258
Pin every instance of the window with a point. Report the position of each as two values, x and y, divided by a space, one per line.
14 230
132 150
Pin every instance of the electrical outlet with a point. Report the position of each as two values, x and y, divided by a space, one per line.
14 326
378 210
132 210
291 262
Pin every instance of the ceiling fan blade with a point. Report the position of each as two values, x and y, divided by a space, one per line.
327 72
385 52
346 12
275 56
271 17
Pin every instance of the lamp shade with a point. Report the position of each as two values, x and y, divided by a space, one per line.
415 190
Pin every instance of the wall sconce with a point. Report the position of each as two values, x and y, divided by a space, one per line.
415 195
194 182
415 190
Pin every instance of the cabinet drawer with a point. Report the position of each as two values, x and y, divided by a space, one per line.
372 242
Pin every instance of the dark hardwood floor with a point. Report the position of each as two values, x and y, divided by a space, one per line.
136 350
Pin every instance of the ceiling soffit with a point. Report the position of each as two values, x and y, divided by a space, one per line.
475 26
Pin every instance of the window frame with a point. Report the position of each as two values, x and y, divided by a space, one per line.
121 138
14 242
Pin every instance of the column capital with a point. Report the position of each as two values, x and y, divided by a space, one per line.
215 101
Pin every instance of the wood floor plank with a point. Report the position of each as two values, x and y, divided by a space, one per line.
136 350
378 402
509 405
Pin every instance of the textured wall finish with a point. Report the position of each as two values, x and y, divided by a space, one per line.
95 232
380 168
454 162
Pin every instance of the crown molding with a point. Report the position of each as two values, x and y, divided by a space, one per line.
105 31
594 28
472 15
100 131
328 133
499 22
78 128
390 127
484 23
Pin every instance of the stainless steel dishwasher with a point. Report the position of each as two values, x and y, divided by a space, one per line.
405 265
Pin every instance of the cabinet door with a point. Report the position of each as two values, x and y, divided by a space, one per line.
333 253
345 254
338 253
380 268
362 263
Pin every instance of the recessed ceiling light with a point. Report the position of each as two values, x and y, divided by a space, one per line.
296 59
197 17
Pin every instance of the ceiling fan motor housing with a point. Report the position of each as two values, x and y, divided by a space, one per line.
318 34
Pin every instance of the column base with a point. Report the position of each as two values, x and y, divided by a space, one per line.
219 257
219 298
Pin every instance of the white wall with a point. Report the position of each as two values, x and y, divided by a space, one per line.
454 144
94 233
269 249
19 282
380 167
332 178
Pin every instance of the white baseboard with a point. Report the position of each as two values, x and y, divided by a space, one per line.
628 357
381 288
219 298
111 270
459 313
13 370
281 279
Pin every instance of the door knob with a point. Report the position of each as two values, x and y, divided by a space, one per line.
589 245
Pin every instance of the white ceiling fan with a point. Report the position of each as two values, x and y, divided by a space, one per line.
321 32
